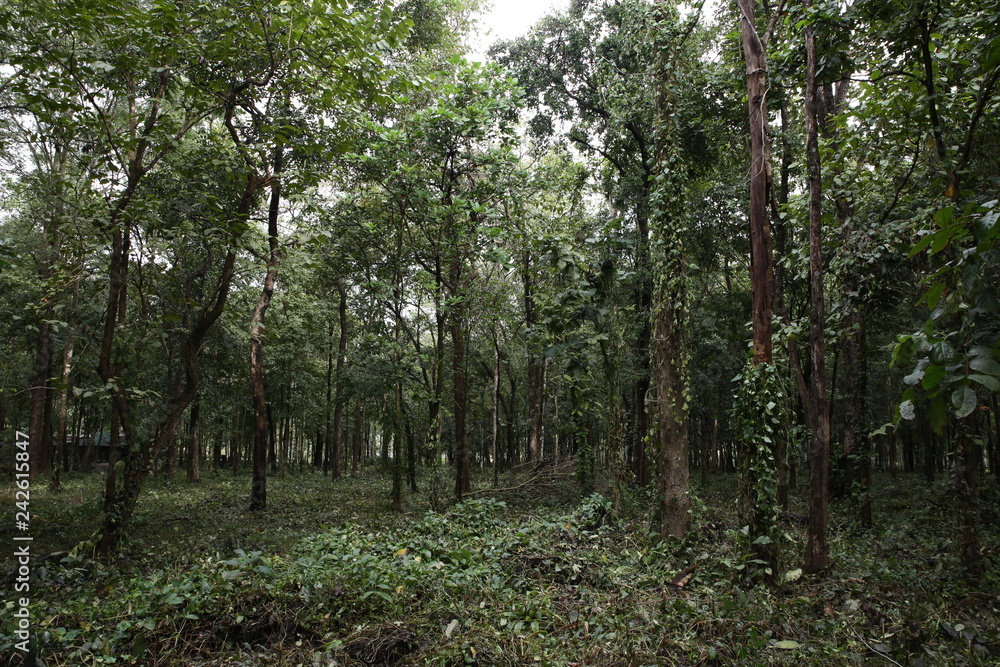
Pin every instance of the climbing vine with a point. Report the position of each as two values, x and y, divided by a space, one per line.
758 413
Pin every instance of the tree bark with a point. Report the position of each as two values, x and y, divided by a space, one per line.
194 441
761 256
817 548
496 409
462 471
338 406
667 349
535 391
258 492
968 458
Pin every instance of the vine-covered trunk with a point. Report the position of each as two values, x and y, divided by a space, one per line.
667 352
817 548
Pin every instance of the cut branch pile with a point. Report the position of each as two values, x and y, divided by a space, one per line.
534 479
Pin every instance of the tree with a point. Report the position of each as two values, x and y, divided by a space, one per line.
817 412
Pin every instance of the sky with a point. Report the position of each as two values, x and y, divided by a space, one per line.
510 18
505 19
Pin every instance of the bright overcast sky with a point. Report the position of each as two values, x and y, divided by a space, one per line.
510 18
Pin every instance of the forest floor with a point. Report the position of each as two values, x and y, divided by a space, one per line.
329 575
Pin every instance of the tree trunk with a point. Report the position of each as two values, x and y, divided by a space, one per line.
761 257
320 459
194 441
667 350
968 458
258 492
356 437
496 409
817 548
338 407
37 432
536 393
67 367
462 472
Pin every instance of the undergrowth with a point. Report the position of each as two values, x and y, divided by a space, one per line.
503 582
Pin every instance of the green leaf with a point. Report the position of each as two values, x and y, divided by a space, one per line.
943 217
943 353
964 401
933 375
921 244
993 56
985 365
933 295
786 644
987 381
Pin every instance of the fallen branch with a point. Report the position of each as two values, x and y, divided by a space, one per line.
542 474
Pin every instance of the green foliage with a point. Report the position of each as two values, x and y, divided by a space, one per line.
957 350
759 417
561 583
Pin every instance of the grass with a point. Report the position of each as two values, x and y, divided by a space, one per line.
329 575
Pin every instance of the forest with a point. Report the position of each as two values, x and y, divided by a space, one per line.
668 335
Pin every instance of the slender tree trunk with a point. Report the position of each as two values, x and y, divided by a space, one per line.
356 448
462 471
258 493
968 458
496 409
67 367
338 408
37 433
928 440
397 413
194 441
536 393
817 548
328 406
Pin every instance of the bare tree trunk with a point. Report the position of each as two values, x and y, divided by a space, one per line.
258 492
462 471
817 548
536 393
37 432
356 448
338 408
761 257
194 441
968 458
324 458
496 408
67 367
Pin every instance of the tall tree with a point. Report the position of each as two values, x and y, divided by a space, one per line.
668 351
817 549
